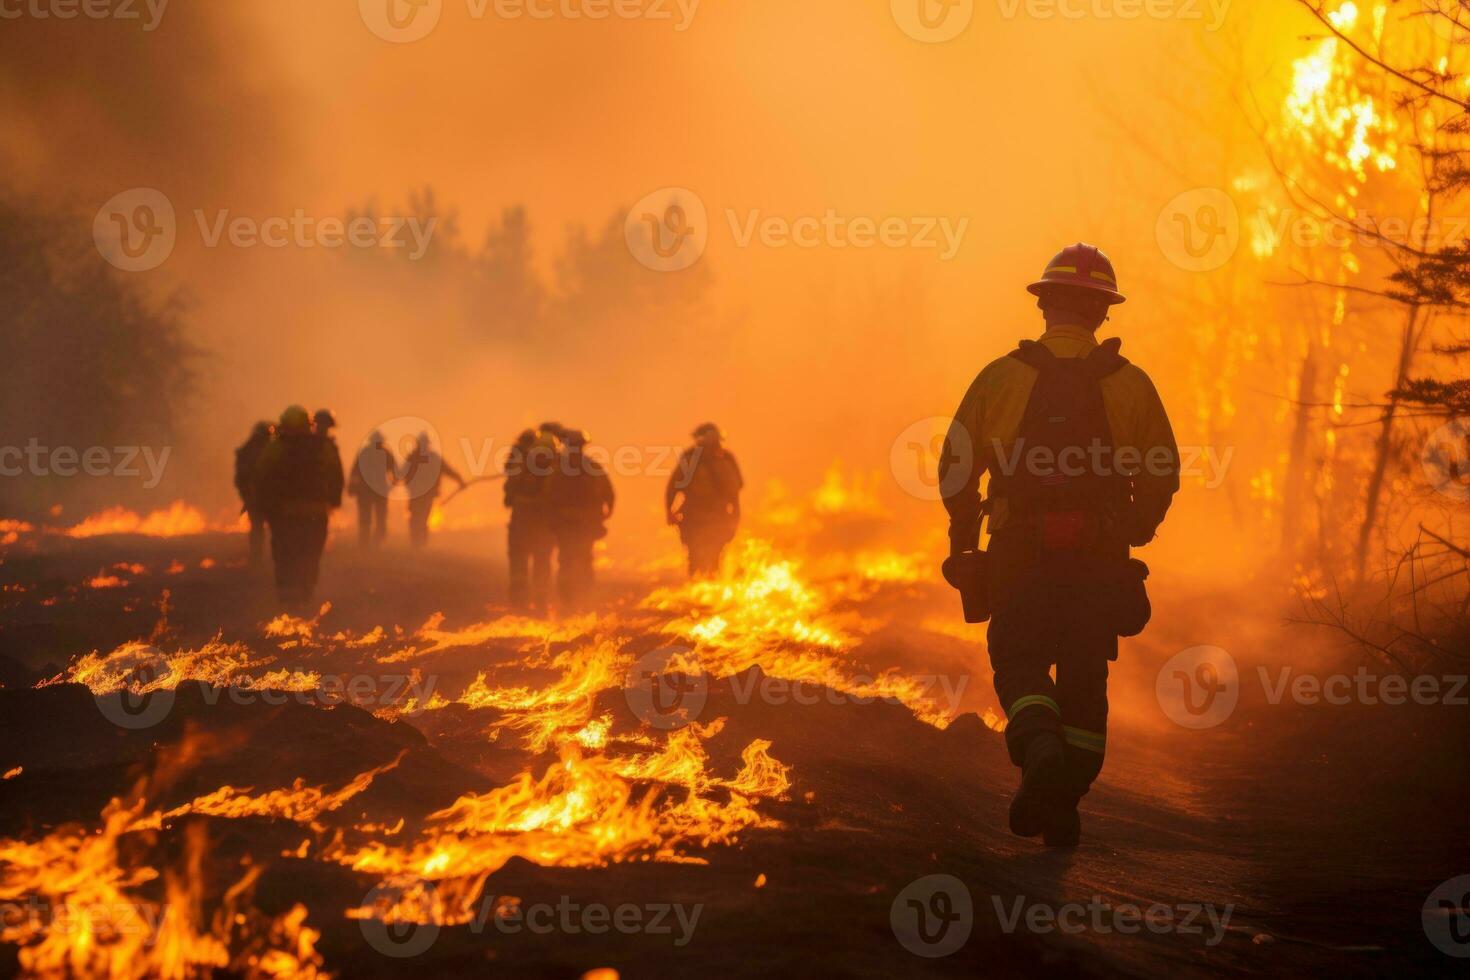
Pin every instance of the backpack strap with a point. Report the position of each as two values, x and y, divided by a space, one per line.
1035 354
1106 358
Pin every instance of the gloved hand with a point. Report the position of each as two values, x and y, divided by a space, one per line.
964 536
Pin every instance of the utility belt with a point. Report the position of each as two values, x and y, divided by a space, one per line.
1044 550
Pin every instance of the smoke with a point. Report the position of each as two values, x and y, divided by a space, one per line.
822 123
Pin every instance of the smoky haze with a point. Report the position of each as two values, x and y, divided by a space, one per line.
527 141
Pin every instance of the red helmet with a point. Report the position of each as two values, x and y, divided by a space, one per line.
1083 266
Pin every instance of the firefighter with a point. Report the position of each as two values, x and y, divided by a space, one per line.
1083 466
294 488
531 539
581 498
247 460
374 472
702 499
322 423
423 473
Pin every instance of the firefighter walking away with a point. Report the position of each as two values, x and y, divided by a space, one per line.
581 495
247 463
374 472
530 537
423 474
702 499
297 484
1083 466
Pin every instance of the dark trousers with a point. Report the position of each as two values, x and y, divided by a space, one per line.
257 536
1046 615
574 568
529 548
297 543
372 518
419 509
705 540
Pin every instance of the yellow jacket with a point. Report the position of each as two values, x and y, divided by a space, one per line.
990 416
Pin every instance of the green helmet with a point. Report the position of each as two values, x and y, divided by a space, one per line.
295 418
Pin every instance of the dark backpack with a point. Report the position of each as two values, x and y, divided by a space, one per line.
1061 472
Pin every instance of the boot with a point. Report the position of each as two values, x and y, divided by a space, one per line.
1043 785
1064 828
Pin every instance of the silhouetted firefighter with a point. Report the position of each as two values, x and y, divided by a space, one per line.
297 484
322 424
1082 465
581 496
247 463
530 538
423 473
374 472
702 499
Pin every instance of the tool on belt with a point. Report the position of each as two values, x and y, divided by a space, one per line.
969 573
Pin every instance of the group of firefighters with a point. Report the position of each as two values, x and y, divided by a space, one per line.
1058 582
290 478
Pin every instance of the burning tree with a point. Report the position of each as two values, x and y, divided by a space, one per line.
1374 140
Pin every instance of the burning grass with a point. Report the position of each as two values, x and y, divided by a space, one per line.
597 785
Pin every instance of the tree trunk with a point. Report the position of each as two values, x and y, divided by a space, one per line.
1385 442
